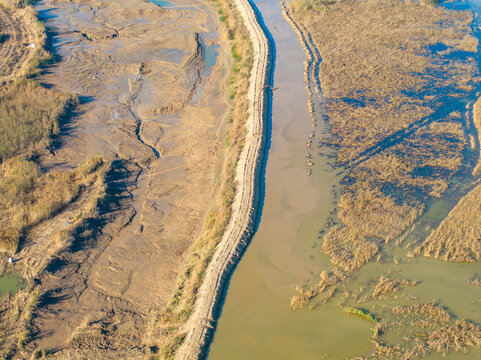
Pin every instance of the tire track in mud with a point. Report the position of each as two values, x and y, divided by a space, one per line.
14 52
6 49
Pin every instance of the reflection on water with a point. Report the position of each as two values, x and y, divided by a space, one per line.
163 3
211 52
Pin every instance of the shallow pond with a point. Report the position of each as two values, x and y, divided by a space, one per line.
11 283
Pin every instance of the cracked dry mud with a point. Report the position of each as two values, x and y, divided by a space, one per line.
139 71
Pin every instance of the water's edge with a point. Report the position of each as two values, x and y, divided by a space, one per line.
246 206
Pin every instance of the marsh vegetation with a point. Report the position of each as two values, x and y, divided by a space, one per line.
31 195
396 76
390 99
386 96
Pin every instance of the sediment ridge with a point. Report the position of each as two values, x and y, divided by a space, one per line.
241 227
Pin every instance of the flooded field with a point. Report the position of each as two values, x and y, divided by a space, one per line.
256 320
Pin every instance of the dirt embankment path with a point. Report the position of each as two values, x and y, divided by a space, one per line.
240 229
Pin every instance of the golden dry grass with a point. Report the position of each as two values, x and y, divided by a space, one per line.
387 285
458 237
376 59
29 116
28 196
324 290
429 329
387 67
29 112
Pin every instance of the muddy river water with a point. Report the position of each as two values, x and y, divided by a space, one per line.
256 321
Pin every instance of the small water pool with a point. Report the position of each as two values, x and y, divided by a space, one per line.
11 283
163 3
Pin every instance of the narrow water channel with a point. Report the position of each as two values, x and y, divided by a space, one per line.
256 321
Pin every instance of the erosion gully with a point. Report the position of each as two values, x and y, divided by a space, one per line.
256 321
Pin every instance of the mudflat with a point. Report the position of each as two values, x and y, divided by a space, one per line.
150 83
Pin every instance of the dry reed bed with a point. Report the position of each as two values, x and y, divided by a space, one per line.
28 196
29 116
458 236
423 329
385 76
381 67
389 72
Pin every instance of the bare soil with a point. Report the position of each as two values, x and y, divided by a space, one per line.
137 69
18 31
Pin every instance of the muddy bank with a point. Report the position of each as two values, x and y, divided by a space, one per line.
256 321
244 210
137 69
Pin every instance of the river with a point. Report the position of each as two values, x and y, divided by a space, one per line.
256 321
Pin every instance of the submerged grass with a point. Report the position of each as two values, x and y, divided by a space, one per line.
458 236
387 285
365 314
390 71
425 329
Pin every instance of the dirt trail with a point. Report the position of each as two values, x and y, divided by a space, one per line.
15 51
244 209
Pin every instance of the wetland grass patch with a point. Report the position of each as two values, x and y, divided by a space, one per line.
424 329
29 196
393 74
458 236
29 115
390 72
387 285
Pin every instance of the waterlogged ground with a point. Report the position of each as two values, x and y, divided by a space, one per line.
256 320
10 283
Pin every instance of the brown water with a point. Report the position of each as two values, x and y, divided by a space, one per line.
256 322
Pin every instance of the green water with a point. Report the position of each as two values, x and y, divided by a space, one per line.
11 283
